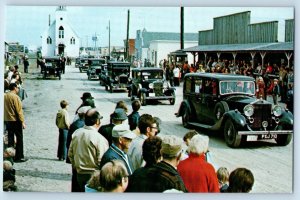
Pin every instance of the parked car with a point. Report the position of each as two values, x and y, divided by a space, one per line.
94 67
227 103
83 67
52 67
117 77
149 84
77 62
103 74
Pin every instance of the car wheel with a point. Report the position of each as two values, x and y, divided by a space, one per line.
143 99
45 75
185 117
59 75
106 87
111 89
231 136
220 108
172 101
283 139
80 70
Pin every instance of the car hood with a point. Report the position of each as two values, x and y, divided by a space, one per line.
239 101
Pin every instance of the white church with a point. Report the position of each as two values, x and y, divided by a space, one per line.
60 38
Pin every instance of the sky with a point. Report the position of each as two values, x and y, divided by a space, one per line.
25 24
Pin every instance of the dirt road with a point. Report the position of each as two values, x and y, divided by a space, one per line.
272 166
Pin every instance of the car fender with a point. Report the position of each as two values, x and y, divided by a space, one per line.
236 117
183 104
287 118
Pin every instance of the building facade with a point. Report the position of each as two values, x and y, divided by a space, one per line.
60 38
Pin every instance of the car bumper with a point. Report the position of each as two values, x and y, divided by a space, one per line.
265 132
160 98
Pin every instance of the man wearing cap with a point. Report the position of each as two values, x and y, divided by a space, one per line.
14 120
87 148
117 117
163 175
121 139
148 127
87 100
79 123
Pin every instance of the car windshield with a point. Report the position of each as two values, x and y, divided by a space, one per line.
152 75
229 87
120 70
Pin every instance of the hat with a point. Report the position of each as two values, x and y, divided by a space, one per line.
86 95
83 109
122 130
275 80
171 146
119 114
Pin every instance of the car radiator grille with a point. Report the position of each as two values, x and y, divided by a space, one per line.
123 79
158 88
98 71
261 113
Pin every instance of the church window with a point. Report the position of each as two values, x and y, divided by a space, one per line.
72 41
61 32
49 40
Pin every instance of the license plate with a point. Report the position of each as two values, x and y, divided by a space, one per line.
251 137
268 136
151 94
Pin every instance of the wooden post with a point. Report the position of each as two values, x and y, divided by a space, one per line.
288 56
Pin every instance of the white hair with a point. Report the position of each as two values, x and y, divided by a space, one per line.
198 144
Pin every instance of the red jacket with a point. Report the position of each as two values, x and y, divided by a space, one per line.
198 175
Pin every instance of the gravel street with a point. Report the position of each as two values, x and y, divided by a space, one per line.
271 165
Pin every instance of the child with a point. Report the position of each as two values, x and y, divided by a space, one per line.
223 178
133 118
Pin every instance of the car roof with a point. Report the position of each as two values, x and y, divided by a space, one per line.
147 69
117 62
220 76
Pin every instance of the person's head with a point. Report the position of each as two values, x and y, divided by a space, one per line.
86 96
158 124
241 180
92 118
82 111
151 150
198 144
89 102
122 136
188 136
223 176
114 177
136 105
12 68
275 81
7 165
13 87
118 116
147 125
9 152
94 181
122 104
171 149
64 104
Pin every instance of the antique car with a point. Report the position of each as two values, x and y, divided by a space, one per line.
84 65
222 102
52 67
117 77
148 83
94 67
77 62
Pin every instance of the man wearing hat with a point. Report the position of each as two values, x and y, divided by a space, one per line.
117 117
121 140
14 121
63 124
87 148
87 100
163 175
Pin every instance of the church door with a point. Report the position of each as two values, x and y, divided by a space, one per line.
61 49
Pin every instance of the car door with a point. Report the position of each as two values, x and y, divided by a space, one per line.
208 100
196 98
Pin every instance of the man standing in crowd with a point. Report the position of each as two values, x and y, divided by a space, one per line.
133 118
14 120
121 140
148 127
87 148
117 117
87 100
26 64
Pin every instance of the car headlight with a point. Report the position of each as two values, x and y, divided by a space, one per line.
116 78
277 111
248 110
151 85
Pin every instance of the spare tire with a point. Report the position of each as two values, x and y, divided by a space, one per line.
220 108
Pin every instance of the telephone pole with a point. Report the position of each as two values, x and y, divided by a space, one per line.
127 38
181 27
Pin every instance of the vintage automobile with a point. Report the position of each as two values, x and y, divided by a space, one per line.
52 67
222 102
84 65
77 62
94 67
148 83
117 77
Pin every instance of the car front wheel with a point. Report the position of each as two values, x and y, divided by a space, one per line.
283 139
172 100
185 117
143 99
231 136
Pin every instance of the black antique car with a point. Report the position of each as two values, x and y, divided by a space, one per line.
84 65
94 67
148 83
52 67
77 62
117 77
227 103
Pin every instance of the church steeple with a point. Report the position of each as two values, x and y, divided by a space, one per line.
61 8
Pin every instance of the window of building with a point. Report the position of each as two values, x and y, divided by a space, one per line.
61 19
61 32
49 40
72 40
